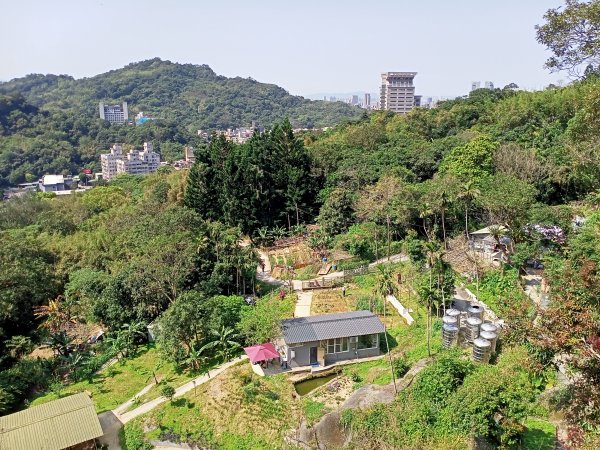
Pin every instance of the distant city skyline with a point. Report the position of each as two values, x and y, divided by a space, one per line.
307 47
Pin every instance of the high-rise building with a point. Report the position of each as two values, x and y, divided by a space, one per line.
354 100
418 100
109 161
114 113
135 162
367 100
397 91
475 85
489 85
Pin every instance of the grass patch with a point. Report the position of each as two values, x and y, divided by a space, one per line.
369 372
307 273
313 410
223 411
118 383
540 435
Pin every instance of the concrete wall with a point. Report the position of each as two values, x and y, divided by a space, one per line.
365 353
302 354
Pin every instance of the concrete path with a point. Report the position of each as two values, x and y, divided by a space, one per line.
111 426
181 390
303 304
125 406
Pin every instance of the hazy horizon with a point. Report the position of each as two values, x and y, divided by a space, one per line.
308 48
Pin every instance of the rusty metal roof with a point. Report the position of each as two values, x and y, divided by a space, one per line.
54 425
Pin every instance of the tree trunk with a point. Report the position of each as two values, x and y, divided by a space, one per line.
388 238
297 214
467 222
444 228
391 362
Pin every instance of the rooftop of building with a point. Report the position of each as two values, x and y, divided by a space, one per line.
330 326
53 179
54 425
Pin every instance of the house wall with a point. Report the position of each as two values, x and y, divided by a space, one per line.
330 358
302 354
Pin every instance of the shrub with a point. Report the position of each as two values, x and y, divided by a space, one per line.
401 366
354 376
168 391
132 438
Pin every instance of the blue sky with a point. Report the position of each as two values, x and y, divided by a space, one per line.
304 46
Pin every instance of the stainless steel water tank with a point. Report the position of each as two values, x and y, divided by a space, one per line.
491 337
454 313
449 335
488 326
481 350
450 320
475 311
472 328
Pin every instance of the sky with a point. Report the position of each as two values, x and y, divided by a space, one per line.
305 46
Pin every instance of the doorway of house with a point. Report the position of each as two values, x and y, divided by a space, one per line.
313 355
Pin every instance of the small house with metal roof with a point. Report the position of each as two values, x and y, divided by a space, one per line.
328 338
70 422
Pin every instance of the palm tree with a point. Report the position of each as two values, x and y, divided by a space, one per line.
385 284
19 346
444 203
432 261
56 313
60 343
223 343
130 334
195 358
469 193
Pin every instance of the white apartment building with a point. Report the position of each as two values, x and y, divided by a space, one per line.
135 162
397 91
109 161
114 113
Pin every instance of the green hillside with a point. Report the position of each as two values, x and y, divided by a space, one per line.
50 123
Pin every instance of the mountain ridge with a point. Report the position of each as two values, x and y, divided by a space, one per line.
166 89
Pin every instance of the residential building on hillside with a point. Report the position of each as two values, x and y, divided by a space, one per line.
70 422
135 162
108 161
328 338
57 183
114 113
397 91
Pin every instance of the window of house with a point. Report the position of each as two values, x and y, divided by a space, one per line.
367 341
338 345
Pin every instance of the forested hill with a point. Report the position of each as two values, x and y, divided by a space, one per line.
50 123
192 94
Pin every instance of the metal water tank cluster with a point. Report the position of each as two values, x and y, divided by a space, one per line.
483 336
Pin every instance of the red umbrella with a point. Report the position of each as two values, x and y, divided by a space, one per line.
261 352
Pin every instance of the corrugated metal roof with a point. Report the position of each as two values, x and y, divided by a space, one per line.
330 326
54 425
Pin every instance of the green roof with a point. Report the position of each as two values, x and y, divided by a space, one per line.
54 425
